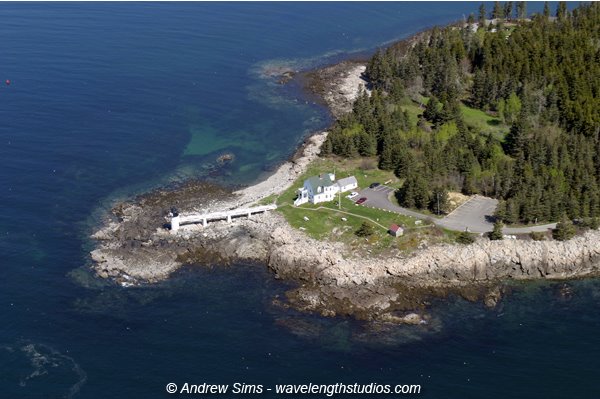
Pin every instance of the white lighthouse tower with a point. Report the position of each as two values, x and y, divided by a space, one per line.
174 220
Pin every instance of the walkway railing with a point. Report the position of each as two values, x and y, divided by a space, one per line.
204 218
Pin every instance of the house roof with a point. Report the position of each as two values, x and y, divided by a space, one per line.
347 180
323 180
394 228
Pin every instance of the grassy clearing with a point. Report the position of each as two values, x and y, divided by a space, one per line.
475 118
483 122
413 111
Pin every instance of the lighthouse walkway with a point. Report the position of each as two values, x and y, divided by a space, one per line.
204 218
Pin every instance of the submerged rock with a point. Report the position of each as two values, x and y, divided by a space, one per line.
228 157
286 76
492 297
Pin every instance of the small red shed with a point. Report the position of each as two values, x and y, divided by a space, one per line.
396 230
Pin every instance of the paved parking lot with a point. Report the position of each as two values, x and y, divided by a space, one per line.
475 215
382 189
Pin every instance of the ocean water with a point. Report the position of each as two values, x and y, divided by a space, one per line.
110 99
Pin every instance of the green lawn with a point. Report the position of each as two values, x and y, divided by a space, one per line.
325 219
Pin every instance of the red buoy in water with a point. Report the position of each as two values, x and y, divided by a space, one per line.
7 82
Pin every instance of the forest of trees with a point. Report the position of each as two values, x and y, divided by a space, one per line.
539 76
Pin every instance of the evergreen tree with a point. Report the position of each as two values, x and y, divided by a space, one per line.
405 164
497 13
468 186
433 110
496 234
564 230
326 148
439 200
508 9
546 10
365 230
515 140
482 15
561 10
367 145
521 10
414 193
465 238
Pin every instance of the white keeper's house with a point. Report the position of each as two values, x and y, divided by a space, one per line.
323 188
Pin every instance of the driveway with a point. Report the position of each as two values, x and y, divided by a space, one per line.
475 215
378 198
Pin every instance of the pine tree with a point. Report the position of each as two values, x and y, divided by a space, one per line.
564 230
521 10
482 15
326 148
508 8
468 186
546 10
465 238
396 91
390 154
367 145
439 200
515 140
405 164
414 193
497 13
496 234
561 10
432 110
365 230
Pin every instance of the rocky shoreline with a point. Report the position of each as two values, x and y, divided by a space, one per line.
135 246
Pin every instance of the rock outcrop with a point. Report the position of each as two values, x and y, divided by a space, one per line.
331 280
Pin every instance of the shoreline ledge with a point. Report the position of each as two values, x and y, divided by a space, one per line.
133 246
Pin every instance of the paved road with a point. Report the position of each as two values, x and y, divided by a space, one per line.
378 198
529 229
476 214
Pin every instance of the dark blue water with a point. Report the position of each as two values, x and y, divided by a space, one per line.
107 100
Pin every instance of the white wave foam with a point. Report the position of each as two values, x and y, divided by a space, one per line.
44 358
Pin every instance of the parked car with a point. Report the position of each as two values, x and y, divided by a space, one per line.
361 200
352 194
373 185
